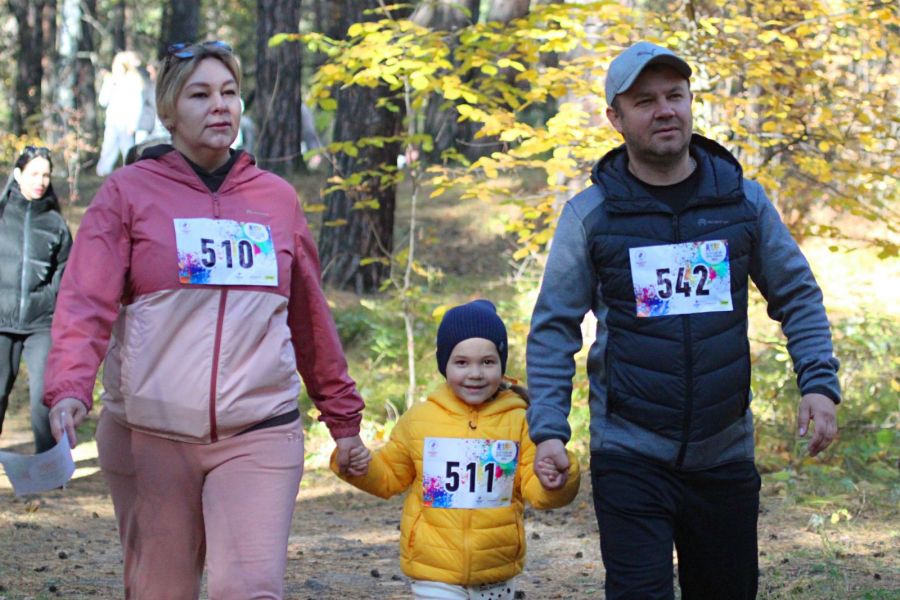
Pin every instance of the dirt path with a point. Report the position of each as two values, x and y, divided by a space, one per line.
344 545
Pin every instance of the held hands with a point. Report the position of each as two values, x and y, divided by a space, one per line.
821 410
551 464
66 415
352 456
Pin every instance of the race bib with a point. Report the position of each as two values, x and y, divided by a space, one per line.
223 252
466 473
681 279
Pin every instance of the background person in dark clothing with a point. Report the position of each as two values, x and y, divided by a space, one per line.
661 249
34 247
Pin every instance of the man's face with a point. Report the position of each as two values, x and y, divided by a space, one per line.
654 116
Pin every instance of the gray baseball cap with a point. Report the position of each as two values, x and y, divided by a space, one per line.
626 67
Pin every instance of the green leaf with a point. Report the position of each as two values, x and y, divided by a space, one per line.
885 437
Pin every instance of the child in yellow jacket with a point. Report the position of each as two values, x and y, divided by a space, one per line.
467 459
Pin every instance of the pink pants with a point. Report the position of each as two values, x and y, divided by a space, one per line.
177 504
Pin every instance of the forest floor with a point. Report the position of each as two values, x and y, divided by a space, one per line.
344 544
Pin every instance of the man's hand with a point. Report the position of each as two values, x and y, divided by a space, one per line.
551 464
353 457
66 415
821 410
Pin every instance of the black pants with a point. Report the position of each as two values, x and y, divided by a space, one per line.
33 347
710 516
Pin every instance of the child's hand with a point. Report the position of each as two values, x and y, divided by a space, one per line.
353 457
360 457
547 472
551 464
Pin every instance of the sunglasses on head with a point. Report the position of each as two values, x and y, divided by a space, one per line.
37 150
184 50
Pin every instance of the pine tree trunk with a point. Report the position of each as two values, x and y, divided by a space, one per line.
69 33
353 236
86 91
502 11
29 70
356 244
505 11
181 23
277 103
118 26
441 118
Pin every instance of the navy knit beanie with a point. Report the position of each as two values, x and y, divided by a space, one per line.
477 319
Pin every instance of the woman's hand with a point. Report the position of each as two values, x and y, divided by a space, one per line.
352 457
65 416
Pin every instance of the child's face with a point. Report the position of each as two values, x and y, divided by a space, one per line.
473 371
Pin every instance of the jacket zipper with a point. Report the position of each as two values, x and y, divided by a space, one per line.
467 517
217 346
689 372
26 242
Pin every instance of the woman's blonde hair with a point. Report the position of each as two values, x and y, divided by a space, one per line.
179 63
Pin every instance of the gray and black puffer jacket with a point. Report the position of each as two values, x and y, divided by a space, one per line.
34 247
671 388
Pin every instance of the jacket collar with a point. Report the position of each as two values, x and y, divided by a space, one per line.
41 205
721 179
165 161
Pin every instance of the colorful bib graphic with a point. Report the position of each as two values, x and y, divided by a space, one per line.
467 473
224 252
681 279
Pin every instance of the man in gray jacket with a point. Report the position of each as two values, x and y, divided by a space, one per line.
661 249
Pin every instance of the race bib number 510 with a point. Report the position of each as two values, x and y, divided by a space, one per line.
467 473
224 252
681 279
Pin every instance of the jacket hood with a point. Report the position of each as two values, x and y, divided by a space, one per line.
505 401
721 174
46 202
165 161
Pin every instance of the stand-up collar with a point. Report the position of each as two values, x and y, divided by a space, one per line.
721 179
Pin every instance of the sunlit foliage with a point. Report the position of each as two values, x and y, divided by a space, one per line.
804 92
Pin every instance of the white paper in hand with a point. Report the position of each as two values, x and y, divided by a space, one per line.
41 472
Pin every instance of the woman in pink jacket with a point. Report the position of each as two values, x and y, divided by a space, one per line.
195 280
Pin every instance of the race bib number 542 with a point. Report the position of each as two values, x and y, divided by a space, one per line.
224 252
681 279
468 473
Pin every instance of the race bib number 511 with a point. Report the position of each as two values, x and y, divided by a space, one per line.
681 279
467 473
224 252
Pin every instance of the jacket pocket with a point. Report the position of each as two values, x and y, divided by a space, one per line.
612 400
131 335
610 395
413 530
748 379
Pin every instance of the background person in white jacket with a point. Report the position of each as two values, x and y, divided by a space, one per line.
122 94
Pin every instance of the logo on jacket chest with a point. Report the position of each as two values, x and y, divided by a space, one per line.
703 222
678 279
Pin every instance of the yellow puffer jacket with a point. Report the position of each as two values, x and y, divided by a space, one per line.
461 546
